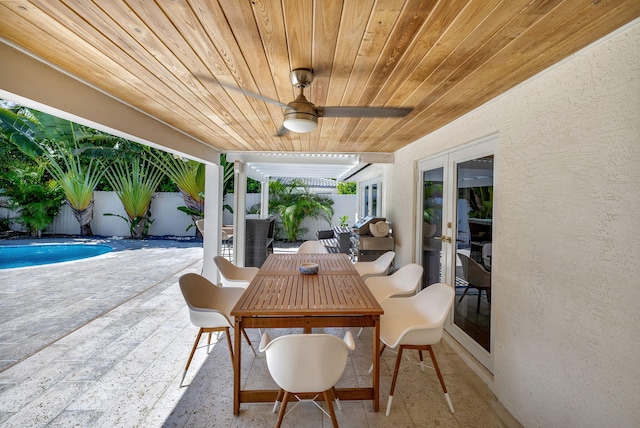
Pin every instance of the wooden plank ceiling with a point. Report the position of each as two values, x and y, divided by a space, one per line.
444 58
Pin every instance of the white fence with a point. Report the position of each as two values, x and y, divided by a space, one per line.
167 219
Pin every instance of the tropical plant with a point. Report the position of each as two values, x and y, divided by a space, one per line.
228 180
344 221
45 137
293 203
189 176
135 184
347 188
36 198
78 180
432 197
481 202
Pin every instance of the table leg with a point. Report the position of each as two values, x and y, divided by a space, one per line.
236 365
376 365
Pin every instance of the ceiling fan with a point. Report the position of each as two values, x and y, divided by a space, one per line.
301 116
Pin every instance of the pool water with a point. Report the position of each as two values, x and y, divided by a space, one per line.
12 256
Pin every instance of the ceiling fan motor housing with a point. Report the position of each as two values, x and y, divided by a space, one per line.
301 116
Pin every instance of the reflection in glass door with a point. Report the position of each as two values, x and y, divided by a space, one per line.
456 213
432 186
472 312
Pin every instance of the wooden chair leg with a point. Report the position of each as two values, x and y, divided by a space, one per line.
278 400
335 397
435 366
283 409
193 351
463 294
444 387
382 348
332 413
244 333
395 378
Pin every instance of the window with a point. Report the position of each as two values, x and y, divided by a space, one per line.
370 198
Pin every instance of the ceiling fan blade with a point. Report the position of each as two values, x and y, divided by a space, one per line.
364 111
248 93
282 131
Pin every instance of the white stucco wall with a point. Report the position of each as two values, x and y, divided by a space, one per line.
566 268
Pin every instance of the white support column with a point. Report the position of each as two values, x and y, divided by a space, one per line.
264 199
212 221
240 208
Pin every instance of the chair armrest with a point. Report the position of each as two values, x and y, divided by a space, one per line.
264 342
348 339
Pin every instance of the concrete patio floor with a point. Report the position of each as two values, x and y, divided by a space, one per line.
102 342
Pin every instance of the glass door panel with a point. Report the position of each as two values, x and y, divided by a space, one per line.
374 200
432 218
455 220
365 211
472 309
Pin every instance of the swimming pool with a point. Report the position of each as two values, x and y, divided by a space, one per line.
12 256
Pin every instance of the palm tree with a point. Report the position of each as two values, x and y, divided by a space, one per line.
189 176
78 180
42 136
135 184
293 203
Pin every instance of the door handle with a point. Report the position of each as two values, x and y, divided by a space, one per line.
445 239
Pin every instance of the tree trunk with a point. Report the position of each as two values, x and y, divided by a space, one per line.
84 217
137 232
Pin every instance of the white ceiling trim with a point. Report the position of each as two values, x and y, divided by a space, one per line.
46 88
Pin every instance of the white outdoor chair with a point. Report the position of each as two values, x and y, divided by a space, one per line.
477 277
403 282
306 363
232 275
486 255
227 245
200 226
378 267
209 309
312 247
416 322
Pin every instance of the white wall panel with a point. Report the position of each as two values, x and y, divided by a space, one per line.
566 294
168 220
108 202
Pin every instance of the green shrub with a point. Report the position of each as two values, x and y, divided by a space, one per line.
36 198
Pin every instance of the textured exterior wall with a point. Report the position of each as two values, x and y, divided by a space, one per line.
566 285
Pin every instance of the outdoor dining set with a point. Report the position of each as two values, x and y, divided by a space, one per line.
314 289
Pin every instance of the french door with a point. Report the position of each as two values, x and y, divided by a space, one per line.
455 221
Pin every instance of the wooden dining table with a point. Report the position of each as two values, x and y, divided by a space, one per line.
281 297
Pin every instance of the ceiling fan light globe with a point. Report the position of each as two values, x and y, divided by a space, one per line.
300 122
